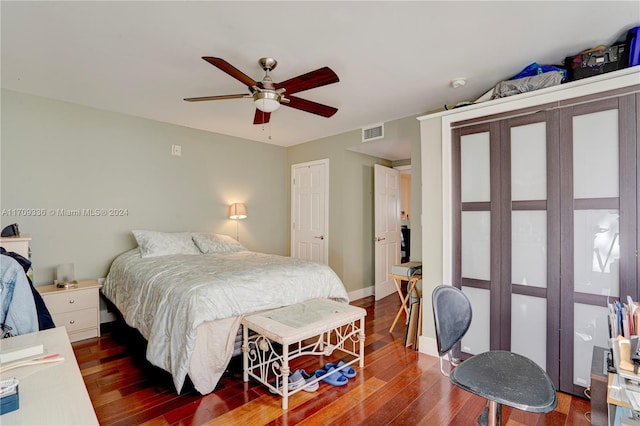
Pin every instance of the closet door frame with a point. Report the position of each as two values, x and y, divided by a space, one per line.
559 293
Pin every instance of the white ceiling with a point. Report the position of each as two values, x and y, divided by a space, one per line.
394 59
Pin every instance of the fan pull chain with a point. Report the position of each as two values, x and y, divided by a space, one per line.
269 126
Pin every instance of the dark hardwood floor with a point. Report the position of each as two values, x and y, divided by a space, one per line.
397 386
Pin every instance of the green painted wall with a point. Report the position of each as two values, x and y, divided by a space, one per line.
57 155
351 203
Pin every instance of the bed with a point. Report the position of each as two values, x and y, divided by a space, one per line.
186 293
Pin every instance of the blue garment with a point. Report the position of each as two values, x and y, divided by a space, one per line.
45 320
534 69
18 309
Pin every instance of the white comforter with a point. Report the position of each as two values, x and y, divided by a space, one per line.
168 297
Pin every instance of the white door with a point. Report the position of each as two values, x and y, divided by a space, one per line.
310 211
387 228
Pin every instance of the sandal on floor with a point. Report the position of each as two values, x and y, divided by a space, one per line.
336 378
348 372
296 380
308 378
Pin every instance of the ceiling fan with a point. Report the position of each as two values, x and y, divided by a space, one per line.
268 95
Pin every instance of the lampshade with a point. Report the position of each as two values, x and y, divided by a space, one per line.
237 211
267 101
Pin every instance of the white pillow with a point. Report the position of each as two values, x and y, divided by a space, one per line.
155 243
217 243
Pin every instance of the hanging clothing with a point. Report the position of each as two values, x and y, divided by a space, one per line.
18 313
45 320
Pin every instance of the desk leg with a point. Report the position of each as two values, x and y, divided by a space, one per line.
403 306
402 298
403 301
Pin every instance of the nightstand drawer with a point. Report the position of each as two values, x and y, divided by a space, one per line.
76 320
69 301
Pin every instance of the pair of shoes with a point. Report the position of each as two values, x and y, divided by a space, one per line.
335 378
298 380
348 372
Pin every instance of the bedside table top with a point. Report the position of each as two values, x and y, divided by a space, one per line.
82 285
21 237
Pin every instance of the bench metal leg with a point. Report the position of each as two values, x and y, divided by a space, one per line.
285 377
245 353
361 342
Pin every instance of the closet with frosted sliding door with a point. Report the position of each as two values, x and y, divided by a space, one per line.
544 227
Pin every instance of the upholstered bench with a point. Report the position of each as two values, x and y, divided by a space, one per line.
315 327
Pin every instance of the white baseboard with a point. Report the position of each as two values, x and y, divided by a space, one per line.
363 292
428 346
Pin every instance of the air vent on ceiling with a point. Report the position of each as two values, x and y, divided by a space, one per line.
373 132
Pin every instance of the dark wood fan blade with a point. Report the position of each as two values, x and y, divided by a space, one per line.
231 70
214 98
310 106
317 78
261 117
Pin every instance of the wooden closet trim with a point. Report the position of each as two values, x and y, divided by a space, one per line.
637 138
500 319
628 151
554 248
476 206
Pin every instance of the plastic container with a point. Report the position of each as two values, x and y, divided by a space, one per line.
9 400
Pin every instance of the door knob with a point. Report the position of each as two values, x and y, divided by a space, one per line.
380 239
321 237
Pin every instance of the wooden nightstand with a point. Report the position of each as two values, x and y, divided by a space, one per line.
77 309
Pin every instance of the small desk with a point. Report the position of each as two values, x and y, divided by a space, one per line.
49 394
404 300
338 326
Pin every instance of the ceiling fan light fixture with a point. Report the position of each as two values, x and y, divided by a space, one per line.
266 100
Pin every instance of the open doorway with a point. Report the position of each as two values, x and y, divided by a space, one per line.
405 212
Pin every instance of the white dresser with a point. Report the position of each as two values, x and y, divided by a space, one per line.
49 394
18 245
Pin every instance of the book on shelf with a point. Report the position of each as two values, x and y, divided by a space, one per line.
624 318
